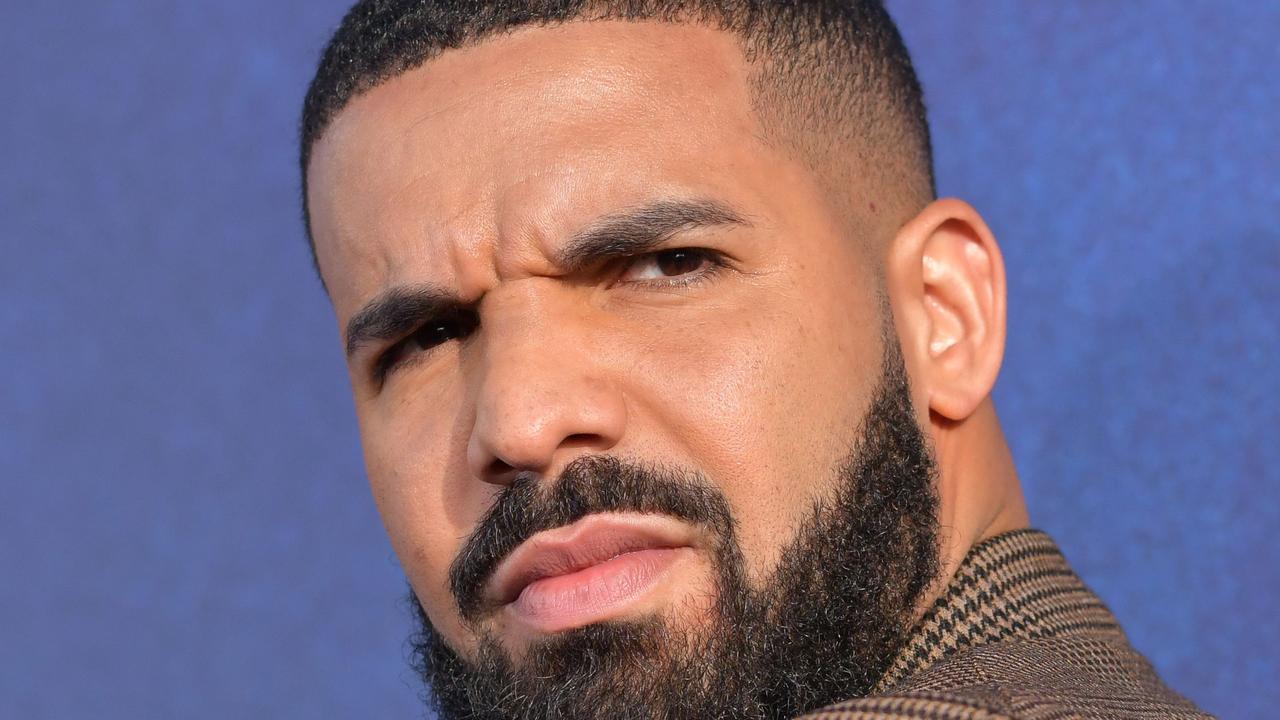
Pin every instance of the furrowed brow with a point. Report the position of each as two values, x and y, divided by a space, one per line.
635 232
396 312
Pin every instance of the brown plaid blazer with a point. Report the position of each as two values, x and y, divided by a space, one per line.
1016 634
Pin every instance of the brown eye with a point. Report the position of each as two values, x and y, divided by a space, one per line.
679 262
668 265
433 335
454 326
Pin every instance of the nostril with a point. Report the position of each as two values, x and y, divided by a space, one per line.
498 469
501 473
580 440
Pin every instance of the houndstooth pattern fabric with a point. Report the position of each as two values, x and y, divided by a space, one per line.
1016 634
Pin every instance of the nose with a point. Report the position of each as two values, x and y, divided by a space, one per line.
542 397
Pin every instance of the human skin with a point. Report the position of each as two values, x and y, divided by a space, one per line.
470 174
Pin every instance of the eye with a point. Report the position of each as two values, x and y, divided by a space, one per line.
679 265
454 326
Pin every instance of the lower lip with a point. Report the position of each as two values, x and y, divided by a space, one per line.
594 593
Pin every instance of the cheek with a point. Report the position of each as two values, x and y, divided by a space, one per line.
766 403
417 472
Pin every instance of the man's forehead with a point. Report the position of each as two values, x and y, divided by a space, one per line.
531 134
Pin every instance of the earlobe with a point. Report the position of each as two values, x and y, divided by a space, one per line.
950 277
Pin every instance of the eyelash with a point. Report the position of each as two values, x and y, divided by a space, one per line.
463 322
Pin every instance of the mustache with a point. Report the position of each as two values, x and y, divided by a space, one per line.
588 485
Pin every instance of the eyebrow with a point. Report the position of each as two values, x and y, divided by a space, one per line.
641 230
397 312
628 233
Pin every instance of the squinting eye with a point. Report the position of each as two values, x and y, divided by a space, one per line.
667 265
455 326
434 334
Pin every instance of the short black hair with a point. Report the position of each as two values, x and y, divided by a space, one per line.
825 65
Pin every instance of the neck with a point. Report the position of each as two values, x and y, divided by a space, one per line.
981 496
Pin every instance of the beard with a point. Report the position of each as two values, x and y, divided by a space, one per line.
822 627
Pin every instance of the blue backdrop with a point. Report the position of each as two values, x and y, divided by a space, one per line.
185 529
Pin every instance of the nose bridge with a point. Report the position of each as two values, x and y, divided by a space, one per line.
541 394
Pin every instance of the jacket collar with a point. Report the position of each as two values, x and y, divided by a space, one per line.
1013 586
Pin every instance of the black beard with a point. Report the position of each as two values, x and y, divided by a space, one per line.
823 628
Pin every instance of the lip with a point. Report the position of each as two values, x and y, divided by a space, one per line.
561 577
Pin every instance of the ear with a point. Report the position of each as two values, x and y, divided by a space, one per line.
946 280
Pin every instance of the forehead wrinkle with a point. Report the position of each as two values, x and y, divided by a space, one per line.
630 95
524 230
531 217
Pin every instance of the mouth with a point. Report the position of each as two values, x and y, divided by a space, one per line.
597 568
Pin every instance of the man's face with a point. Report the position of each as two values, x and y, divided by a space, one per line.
580 245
